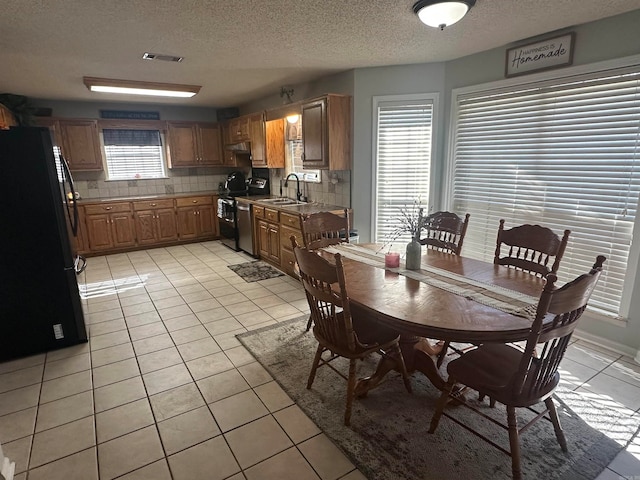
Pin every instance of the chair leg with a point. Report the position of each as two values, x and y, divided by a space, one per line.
309 322
553 414
514 443
314 367
403 367
351 386
492 401
442 401
442 354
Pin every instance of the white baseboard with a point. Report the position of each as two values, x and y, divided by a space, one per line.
608 344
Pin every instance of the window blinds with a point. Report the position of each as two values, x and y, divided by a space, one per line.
561 154
133 154
403 157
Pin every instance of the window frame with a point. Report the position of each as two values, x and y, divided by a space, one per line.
519 82
158 125
434 98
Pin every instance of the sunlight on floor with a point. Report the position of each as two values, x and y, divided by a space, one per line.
111 287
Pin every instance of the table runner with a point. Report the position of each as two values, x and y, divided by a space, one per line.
500 298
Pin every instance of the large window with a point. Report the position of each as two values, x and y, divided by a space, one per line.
403 151
133 154
563 153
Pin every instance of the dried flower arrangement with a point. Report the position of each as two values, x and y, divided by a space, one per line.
410 221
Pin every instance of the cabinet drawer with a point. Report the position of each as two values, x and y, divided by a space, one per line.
285 237
271 215
290 220
258 211
151 204
107 208
191 201
288 262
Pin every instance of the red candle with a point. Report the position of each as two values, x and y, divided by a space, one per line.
392 260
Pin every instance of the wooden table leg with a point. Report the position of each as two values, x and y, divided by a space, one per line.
418 353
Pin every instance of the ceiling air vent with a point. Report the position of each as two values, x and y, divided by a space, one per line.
159 56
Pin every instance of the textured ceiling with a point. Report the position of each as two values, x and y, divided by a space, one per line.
243 50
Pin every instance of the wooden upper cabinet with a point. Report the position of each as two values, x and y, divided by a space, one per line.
182 144
210 145
326 133
80 144
194 144
267 142
238 130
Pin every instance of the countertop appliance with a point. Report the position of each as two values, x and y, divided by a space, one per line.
40 306
228 215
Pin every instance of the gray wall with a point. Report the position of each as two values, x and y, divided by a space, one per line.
370 82
341 82
92 110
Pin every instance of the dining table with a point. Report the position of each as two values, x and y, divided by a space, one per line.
451 298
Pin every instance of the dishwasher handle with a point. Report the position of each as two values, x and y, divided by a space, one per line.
242 206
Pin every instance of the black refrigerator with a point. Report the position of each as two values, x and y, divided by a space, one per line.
40 307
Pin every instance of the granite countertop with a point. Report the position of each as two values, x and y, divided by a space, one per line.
157 196
305 208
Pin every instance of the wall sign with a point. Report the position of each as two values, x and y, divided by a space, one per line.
129 115
552 53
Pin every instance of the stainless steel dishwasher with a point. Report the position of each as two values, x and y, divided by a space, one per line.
245 236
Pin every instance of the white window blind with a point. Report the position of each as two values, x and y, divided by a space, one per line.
563 154
133 154
403 162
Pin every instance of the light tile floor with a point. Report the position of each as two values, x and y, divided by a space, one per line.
164 390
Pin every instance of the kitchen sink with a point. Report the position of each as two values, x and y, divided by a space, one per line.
282 201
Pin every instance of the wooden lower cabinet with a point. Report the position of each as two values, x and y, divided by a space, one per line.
269 241
196 218
289 225
155 222
110 226
118 226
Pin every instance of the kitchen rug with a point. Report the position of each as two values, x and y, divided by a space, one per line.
388 438
255 271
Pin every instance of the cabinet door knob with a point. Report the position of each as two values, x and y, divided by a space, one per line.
194 201
108 208
153 204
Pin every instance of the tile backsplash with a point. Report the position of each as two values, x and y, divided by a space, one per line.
334 188
185 181
93 185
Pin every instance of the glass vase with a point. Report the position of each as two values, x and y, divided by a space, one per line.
414 254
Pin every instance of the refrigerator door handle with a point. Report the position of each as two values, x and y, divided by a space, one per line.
69 197
76 264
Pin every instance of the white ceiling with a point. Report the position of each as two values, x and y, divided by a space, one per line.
242 50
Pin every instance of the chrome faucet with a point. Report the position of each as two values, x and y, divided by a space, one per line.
298 192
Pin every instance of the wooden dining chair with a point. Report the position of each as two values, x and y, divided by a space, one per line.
530 248
323 229
444 231
519 378
338 332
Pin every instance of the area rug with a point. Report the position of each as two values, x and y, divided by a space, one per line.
255 271
388 438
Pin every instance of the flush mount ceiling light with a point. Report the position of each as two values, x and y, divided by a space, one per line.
440 14
288 92
132 87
